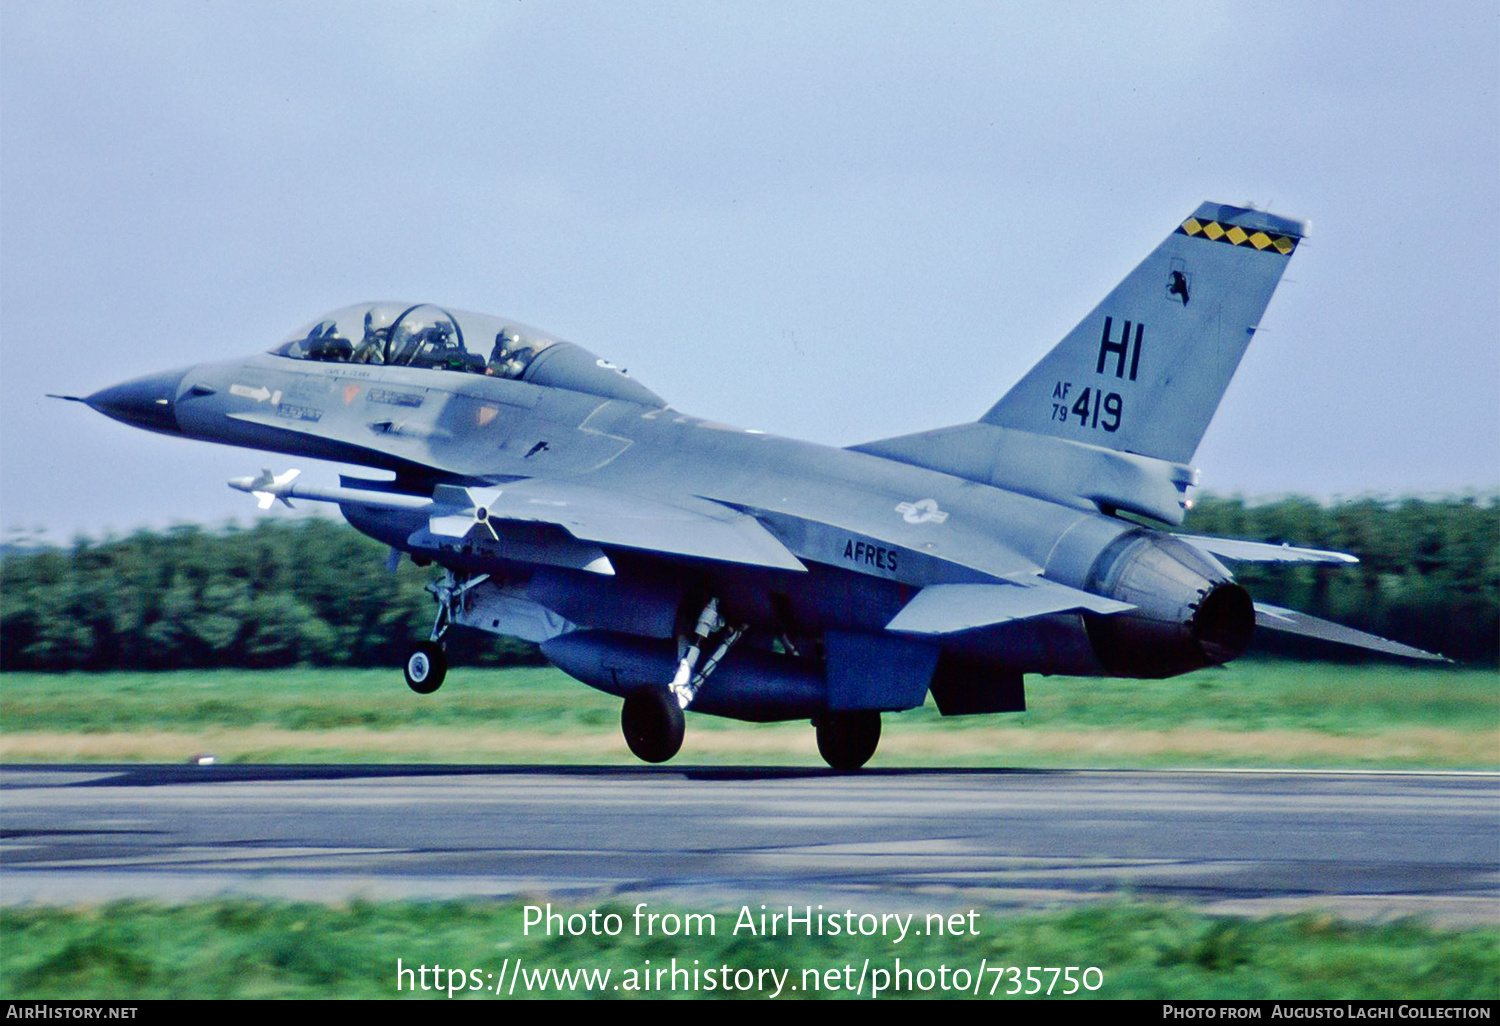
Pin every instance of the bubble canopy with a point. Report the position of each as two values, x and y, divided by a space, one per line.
418 335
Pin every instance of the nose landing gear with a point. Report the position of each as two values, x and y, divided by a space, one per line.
426 663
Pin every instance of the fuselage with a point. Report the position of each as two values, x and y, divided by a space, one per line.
871 531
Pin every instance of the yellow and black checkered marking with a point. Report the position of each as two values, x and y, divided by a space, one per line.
1237 236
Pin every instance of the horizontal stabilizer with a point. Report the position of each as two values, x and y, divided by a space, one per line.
1289 621
950 608
685 526
1263 552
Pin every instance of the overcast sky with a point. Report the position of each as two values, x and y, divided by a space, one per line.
834 221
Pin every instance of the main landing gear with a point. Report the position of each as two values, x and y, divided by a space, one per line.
653 724
846 740
652 718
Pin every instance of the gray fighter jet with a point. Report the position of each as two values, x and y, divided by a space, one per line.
682 564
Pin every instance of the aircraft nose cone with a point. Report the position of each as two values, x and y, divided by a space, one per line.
146 402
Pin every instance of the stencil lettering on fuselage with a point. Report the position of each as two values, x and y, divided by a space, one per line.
866 554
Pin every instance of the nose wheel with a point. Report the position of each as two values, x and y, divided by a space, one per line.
426 662
653 724
426 666
846 740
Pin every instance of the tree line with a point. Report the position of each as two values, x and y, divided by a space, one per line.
316 592
284 592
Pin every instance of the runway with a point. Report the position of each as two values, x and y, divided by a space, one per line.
1362 844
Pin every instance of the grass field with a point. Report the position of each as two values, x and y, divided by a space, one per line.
1253 713
244 949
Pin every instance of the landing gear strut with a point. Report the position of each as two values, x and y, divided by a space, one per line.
846 740
685 684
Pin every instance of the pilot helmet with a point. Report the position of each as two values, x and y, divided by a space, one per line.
379 319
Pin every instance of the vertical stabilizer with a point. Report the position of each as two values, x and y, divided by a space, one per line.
1145 370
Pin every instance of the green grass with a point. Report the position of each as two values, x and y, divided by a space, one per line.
1264 695
259 949
296 699
1243 696
1250 713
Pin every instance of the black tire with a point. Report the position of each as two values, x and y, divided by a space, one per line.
653 724
846 740
426 666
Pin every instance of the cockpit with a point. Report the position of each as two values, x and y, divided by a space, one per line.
420 335
426 336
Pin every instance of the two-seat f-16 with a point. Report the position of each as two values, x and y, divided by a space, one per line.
688 565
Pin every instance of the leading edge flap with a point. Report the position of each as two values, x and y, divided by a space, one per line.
686 526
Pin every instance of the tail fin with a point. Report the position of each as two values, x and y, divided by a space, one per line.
1144 372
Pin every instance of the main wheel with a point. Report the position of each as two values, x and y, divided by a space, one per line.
653 724
426 666
846 740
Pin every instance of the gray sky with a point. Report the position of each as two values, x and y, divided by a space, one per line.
834 221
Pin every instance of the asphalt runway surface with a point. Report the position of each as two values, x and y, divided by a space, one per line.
1367 845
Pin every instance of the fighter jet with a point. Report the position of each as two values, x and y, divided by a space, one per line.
690 566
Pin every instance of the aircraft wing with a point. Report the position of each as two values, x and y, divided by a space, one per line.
1262 552
1289 621
685 526
950 608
